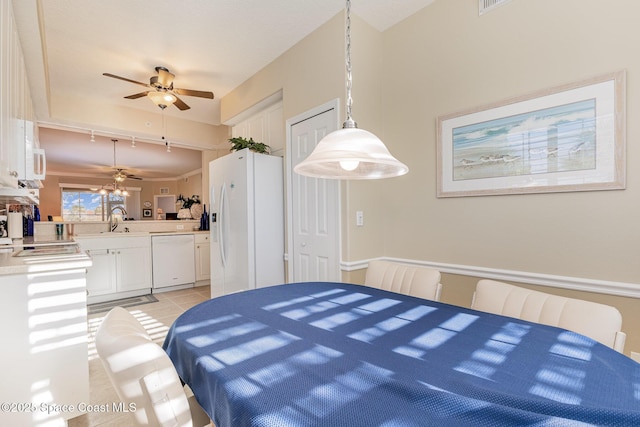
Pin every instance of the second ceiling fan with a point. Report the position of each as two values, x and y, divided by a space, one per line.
161 90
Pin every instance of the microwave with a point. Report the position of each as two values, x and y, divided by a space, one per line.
31 162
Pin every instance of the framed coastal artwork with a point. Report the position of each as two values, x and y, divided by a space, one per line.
567 138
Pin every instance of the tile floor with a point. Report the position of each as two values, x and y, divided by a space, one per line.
156 317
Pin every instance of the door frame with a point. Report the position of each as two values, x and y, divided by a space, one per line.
334 104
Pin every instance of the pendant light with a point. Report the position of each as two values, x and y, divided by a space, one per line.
350 153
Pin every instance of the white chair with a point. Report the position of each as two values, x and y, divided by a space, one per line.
598 321
143 374
421 282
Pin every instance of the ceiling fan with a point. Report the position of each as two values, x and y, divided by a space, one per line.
161 90
120 174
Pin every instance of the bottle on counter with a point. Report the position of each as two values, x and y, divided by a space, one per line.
36 213
27 226
204 219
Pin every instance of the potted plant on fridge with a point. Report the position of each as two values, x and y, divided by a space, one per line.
239 143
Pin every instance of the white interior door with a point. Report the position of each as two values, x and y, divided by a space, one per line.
314 225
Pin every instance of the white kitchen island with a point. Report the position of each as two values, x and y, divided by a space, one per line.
44 358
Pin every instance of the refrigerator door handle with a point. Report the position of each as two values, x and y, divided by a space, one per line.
221 224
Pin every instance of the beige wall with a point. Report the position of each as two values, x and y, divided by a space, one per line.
309 74
190 185
433 68
445 59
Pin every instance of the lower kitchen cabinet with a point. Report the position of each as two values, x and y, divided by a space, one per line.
101 278
203 263
43 362
121 267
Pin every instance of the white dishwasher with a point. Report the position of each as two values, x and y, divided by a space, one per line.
173 261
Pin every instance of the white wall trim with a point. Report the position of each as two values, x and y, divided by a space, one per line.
563 282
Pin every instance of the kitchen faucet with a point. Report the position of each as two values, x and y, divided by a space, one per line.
113 222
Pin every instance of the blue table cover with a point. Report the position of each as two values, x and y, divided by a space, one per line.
334 354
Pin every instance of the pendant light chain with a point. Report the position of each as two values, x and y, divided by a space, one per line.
349 123
164 129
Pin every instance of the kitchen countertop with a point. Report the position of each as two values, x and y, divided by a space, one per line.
43 259
107 234
39 241
38 253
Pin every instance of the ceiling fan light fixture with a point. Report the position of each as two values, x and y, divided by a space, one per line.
162 99
350 153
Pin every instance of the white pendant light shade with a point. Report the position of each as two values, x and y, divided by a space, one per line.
351 153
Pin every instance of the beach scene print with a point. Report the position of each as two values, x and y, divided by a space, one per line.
557 139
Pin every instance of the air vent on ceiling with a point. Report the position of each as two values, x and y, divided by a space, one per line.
485 6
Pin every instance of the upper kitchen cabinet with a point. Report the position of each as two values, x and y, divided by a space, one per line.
266 126
17 118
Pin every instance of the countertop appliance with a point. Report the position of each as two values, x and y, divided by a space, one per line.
247 221
173 261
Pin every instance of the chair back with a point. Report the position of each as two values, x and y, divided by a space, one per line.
421 282
601 322
141 372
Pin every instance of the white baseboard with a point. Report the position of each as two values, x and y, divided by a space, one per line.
564 282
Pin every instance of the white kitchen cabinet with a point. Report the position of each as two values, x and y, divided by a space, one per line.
121 267
203 263
8 38
266 126
133 267
16 107
101 278
43 362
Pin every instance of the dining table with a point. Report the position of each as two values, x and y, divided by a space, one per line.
339 354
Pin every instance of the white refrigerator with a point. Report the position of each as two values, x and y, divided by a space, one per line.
246 222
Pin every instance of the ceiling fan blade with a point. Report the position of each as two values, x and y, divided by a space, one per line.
180 104
134 177
190 92
125 79
137 95
165 78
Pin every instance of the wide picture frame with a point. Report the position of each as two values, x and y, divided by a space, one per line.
567 138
